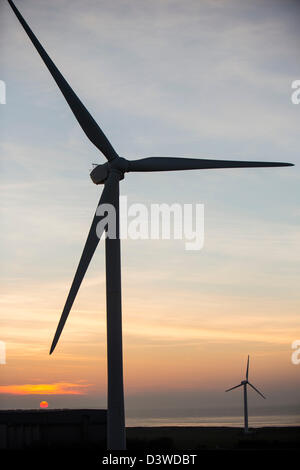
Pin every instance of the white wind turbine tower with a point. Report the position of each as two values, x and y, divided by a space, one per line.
244 384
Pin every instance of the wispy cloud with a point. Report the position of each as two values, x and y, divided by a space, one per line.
59 388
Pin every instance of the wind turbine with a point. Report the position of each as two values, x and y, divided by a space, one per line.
109 174
244 384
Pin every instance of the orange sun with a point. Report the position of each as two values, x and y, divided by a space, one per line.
43 404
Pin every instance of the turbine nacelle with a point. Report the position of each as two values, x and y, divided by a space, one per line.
100 173
244 382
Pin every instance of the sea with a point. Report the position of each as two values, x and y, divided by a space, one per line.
220 421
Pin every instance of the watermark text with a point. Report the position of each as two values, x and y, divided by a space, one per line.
155 222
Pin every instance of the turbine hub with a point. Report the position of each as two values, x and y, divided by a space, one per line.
243 382
100 173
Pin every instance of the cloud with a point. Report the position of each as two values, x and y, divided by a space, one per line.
59 388
200 70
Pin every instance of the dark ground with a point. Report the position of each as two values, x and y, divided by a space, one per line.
212 445
211 438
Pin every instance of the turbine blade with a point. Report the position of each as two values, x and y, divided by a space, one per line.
232 388
247 371
178 163
85 120
87 254
256 390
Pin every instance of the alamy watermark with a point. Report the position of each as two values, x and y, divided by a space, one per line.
295 96
2 92
154 222
2 352
296 354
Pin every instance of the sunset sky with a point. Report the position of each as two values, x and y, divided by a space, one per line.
208 79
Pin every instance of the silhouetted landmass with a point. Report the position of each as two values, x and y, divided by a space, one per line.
213 444
47 429
85 429
212 438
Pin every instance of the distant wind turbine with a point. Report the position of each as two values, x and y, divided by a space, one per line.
110 174
244 384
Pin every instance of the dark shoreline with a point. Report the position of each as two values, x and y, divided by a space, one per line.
209 438
182 438
215 445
